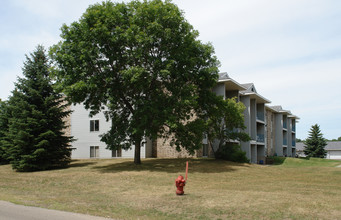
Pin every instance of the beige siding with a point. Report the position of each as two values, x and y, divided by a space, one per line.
67 120
163 149
270 133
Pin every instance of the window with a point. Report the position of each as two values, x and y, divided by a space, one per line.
94 151
117 153
94 125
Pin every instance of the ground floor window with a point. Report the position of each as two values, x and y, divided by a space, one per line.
94 151
117 153
205 150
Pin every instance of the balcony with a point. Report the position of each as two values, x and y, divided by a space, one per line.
285 142
260 116
260 138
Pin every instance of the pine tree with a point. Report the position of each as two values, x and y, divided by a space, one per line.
315 143
4 115
35 139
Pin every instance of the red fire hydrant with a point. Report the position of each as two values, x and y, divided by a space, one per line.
180 183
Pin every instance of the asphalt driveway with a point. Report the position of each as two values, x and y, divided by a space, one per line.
10 211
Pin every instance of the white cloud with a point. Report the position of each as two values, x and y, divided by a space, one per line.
290 49
56 9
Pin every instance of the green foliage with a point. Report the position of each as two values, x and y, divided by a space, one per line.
144 62
338 139
225 122
278 160
232 152
4 115
299 140
34 139
315 143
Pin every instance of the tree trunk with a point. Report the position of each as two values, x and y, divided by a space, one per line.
137 157
214 153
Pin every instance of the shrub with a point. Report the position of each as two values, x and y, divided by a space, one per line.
232 152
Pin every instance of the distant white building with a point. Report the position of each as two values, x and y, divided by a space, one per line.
333 149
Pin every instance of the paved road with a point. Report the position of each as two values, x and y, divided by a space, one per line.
10 211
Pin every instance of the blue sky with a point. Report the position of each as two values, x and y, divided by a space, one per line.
290 50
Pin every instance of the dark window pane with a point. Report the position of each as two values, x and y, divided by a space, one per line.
96 125
92 127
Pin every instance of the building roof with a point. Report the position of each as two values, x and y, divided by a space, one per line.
276 108
230 84
223 76
279 109
252 92
250 87
331 146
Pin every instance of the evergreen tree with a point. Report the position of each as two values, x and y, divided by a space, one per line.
315 143
35 139
4 115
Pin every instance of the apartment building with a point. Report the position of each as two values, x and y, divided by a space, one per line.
254 114
87 131
281 132
254 117
270 129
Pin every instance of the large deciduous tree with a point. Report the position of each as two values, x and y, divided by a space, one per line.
143 61
315 143
35 139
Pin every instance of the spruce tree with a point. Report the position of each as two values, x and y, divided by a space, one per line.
315 143
35 139
4 115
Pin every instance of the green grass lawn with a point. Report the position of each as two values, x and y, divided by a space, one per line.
295 189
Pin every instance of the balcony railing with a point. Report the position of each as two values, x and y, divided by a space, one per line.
285 142
260 116
260 138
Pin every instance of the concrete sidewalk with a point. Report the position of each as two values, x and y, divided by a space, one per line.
10 211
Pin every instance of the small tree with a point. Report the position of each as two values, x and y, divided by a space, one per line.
35 138
315 143
226 123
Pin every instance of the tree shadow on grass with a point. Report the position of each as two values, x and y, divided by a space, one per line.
84 164
172 166
281 160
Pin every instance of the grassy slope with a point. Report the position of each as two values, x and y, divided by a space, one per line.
305 162
296 189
